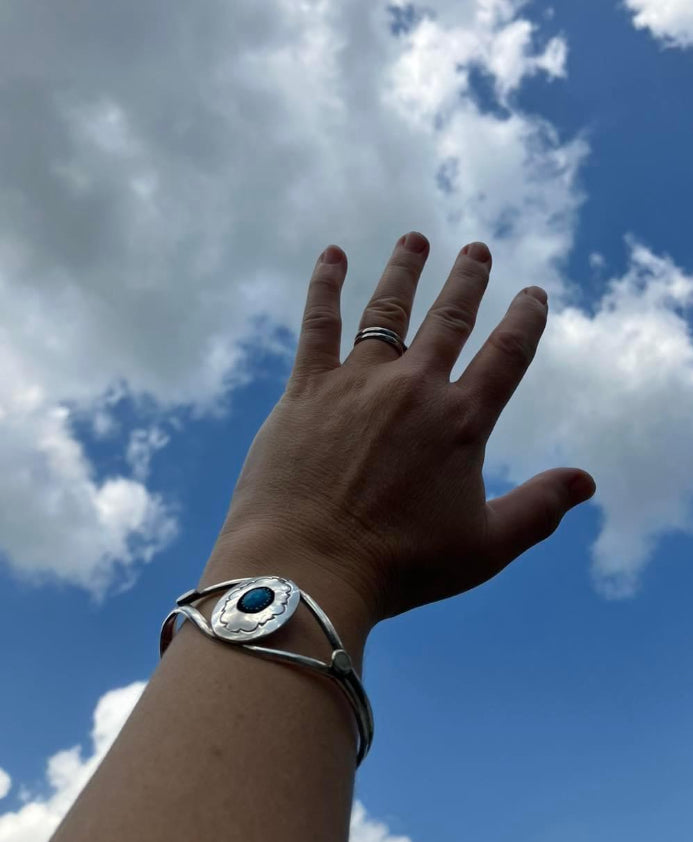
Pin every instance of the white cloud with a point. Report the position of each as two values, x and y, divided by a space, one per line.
142 446
613 393
55 517
670 21
364 829
191 164
486 34
169 176
68 771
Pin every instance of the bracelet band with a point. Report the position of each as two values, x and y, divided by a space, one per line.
254 608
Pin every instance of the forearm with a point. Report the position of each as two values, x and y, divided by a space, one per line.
224 739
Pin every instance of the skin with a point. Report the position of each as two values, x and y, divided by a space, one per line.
364 486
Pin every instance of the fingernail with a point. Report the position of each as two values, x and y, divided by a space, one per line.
477 251
582 488
415 242
332 254
538 293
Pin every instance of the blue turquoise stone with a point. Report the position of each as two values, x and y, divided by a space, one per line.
255 600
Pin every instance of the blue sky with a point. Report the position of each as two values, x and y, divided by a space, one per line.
554 703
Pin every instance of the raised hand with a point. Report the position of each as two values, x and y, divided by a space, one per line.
374 465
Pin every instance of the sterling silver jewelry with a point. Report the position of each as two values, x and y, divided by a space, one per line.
254 608
383 333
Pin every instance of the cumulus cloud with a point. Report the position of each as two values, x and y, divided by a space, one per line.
143 444
68 771
55 518
447 41
613 392
670 21
364 829
170 175
5 783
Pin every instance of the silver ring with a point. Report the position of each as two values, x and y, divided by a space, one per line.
383 333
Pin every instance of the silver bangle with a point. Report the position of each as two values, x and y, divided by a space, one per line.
267 603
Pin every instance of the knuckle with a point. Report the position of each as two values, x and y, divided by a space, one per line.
327 281
401 382
403 389
321 318
456 317
514 345
462 416
550 517
468 426
389 308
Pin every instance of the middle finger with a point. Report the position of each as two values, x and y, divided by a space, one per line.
392 301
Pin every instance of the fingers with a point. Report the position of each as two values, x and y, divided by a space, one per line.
492 376
451 319
392 301
531 512
321 330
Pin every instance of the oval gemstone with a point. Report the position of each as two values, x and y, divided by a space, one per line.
255 600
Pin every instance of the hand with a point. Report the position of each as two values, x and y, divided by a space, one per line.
374 466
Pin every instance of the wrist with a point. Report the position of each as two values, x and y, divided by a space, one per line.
256 551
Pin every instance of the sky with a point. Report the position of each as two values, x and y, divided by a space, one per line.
170 174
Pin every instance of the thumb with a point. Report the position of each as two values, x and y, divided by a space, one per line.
531 512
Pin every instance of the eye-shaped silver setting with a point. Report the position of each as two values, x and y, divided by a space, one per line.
232 623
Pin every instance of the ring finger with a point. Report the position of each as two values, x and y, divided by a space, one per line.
391 304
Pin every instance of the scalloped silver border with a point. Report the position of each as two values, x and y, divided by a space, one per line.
231 624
